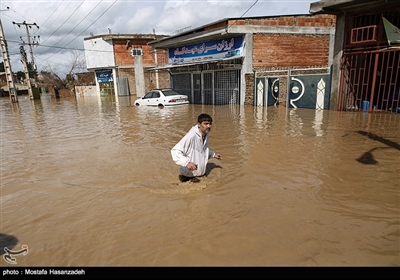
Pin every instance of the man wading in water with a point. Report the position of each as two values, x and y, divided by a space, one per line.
192 151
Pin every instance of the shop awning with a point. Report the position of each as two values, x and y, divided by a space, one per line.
392 32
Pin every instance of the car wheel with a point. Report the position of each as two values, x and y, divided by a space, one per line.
137 104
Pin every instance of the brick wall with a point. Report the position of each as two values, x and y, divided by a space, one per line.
123 57
249 97
122 51
162 57
279 51
151 81
323 20
290 50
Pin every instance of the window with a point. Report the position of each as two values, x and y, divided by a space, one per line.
148 95
366 34
135 52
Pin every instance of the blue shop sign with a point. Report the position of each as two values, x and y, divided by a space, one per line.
217 49
104 76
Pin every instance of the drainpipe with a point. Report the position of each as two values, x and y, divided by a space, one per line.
155 57
254 88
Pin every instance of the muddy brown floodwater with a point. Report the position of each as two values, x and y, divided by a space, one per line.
91 182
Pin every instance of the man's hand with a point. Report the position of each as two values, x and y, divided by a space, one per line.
217 156
191 166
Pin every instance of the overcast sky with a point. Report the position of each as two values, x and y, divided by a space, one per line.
61 25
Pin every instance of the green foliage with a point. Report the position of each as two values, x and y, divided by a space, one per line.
20 75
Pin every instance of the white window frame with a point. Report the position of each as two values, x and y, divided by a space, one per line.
136 51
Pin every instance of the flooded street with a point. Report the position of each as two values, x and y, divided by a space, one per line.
91 182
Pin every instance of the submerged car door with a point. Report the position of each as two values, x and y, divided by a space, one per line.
147 98
155 98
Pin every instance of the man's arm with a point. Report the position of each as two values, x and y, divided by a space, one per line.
179 152
213 154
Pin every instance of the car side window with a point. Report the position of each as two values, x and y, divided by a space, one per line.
156 94
148 95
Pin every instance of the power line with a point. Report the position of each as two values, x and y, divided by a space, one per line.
87 27
64 21
56 47
65 47
78 23
44 23
27 27
11 20
243 13
249 8
8 8
94 21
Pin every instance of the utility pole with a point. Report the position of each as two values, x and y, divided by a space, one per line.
23 55
7 67
34 68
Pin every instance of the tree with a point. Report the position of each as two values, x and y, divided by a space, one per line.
51 78
76 64
20 75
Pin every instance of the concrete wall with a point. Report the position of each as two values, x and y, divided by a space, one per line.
99 53
139 76
150 79
84 91
337 57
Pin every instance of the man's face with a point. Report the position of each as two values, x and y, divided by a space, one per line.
205 127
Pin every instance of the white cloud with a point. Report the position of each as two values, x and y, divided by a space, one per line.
143 21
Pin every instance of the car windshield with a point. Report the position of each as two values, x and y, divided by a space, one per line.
170 92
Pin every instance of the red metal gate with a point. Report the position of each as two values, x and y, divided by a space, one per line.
370 78
370 81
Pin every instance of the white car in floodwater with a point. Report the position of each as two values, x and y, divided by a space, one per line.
162 97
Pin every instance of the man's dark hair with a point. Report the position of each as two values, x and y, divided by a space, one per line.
204 118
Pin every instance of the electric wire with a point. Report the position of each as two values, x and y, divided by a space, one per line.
78 23
44 23
65 21
243 14
86 28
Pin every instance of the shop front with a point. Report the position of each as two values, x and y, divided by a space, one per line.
208 72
